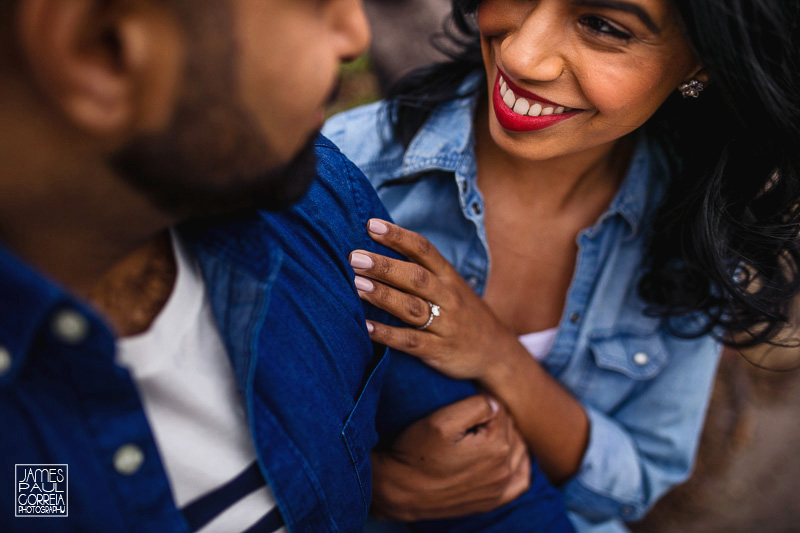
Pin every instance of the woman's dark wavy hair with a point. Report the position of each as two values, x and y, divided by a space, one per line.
725 249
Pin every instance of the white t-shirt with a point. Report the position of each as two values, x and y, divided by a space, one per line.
191 399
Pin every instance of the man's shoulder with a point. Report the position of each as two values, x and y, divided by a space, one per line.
336 207
335 169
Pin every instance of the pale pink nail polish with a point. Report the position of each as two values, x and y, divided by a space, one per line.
370 327
360 261
363 284
377 227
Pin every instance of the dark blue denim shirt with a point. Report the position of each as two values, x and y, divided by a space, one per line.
283 297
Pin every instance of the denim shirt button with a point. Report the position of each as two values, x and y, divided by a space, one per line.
464 186
473 281
575 317
70 326
476 208
128 459
5 361
641 358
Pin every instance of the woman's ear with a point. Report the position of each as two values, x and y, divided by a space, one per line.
700 74
110 68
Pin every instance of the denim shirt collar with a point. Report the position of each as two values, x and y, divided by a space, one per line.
236 278
29 300
638 185
447 138
447 135
29 303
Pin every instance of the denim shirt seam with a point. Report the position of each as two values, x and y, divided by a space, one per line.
253 332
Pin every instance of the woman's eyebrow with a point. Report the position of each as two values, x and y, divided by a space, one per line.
623 6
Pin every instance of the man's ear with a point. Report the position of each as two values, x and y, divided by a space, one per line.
110 67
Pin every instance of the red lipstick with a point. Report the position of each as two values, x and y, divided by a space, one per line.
512 121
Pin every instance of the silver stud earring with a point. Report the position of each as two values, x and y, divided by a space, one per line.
692 88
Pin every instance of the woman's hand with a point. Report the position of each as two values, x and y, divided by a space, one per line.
467 341
464 458
462 340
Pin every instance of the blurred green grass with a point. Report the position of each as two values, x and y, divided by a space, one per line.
358 86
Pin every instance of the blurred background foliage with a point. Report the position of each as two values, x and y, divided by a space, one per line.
358 86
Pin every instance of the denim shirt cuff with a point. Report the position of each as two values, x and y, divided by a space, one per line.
607 485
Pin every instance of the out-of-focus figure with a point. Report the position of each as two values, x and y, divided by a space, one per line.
402 31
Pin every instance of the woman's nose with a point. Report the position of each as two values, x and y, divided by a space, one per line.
534 51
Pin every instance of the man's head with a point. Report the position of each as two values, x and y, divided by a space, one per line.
203 105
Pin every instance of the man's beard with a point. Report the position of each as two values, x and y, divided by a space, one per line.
212 158
184 184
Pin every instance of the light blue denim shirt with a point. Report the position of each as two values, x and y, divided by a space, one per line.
645 391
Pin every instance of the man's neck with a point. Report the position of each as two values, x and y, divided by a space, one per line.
134 291
94 235
67 214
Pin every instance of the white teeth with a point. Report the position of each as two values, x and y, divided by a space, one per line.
521 107
509 99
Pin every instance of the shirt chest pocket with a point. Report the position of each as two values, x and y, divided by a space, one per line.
359 432
618 365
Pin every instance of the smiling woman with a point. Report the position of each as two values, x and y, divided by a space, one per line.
598 192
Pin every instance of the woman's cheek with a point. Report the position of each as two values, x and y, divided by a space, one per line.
623 97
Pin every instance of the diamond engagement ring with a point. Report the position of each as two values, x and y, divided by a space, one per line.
435 311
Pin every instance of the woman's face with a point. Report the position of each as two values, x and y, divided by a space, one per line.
571 75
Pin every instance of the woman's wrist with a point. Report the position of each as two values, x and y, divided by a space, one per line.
507 365
555 424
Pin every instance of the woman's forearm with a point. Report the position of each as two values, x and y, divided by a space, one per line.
554 424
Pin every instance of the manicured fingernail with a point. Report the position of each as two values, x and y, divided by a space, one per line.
370 327
363 284
360 261
493 405
377 227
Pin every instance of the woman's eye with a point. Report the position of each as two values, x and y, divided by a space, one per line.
603 27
